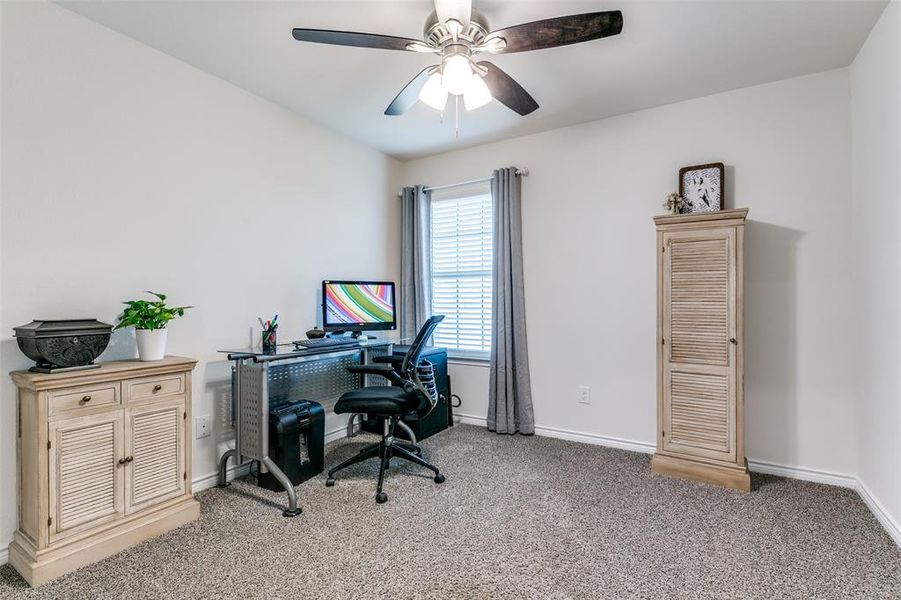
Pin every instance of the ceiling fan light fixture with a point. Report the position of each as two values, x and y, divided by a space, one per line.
456 73
477 93
434 93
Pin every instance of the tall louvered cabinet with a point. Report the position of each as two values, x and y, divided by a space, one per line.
700 402
104 462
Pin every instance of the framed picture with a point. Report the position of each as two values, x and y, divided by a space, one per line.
701 187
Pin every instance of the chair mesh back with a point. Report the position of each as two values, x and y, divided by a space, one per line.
422 372
411 359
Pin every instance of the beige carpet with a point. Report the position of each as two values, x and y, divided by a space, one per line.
517 518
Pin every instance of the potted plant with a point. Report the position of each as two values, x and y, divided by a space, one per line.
149 318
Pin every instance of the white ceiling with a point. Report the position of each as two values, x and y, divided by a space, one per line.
667 52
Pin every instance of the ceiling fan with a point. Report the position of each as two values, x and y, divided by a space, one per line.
457 34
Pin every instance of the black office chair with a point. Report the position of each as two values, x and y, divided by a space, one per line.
409 399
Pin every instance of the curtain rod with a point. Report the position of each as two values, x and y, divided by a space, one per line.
521 172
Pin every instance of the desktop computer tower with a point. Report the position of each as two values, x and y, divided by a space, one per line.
296 442
441 416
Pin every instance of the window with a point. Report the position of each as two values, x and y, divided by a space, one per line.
462 239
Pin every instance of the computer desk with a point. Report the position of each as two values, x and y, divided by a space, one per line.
289 374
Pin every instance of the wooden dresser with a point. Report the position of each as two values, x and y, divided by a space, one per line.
104 462
700 373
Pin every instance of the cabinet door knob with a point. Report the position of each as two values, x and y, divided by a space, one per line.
733 340
122 461
157 388
128 459
85 399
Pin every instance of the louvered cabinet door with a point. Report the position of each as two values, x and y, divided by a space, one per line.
154 436
86 480
699 330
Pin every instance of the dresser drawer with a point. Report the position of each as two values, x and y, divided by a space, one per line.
150 388
105 394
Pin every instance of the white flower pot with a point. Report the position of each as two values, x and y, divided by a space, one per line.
151 344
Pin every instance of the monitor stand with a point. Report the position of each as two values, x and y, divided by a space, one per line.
353 334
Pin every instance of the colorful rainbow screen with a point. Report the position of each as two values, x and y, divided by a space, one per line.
359 303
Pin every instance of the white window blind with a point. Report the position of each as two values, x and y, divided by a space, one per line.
462 239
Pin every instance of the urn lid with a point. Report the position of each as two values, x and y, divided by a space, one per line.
62 328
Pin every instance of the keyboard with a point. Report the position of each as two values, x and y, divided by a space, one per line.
326 343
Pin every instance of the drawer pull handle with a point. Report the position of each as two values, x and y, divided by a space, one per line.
85 400
157 388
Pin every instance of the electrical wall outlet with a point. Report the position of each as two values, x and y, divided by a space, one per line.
202 426
584 394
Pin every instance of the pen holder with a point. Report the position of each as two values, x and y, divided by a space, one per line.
269 342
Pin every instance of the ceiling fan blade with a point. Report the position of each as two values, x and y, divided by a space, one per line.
409 95
560 31
354 38
506 91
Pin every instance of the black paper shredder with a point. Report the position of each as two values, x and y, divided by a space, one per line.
296 442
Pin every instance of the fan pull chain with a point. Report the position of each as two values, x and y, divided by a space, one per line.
456 117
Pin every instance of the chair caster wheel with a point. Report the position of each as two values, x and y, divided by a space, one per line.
330 482
381 497
439 478
288 513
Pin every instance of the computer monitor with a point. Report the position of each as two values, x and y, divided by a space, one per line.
358 305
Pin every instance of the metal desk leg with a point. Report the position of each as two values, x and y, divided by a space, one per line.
293 510
223 463
351 424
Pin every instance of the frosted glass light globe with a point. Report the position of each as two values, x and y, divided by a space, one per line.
433 93
477 93
456 74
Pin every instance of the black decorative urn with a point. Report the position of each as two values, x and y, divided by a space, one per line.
63 345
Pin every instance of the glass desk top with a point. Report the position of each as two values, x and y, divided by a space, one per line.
289 350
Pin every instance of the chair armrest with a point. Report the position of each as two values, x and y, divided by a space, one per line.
391 359
385 371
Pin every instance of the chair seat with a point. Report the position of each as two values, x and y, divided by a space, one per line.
378 401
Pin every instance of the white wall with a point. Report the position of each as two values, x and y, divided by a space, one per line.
876 102
126 170
589 257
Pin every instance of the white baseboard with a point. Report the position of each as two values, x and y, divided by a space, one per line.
4 555
885 519
803 474
573 436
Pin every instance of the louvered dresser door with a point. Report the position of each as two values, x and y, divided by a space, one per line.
699 358
698 322
155 453
87 485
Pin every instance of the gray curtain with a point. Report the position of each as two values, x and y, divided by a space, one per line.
415 266
510 393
